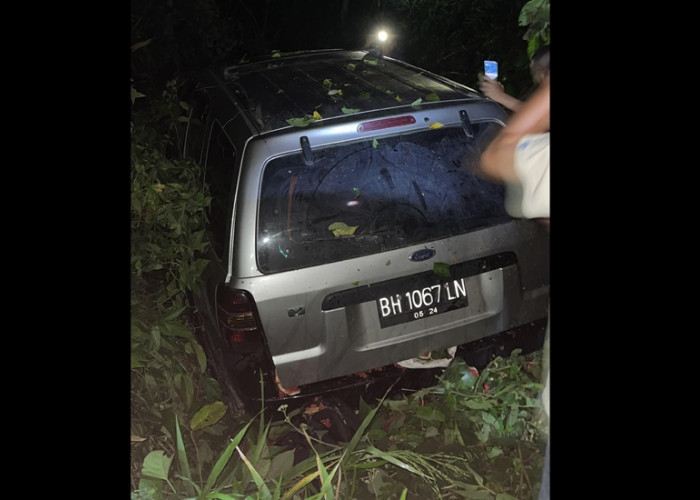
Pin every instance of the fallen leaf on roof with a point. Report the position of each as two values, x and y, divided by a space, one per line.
300 122
435 125
349 111
303 122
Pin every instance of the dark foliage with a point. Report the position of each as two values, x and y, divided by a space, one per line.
450 37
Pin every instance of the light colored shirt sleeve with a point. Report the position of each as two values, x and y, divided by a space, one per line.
532 167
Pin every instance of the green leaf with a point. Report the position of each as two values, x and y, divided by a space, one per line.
301 483
417 102
350 66
208 415
429 413
477 404
155 337
189 390
137 333
223 459
505 496
182 457
156 465
174 314
393 460
377 482
483 434
150 489
350 448
489 419
364 96
300 122
259 481
441 269
135 94
432 97
136 361
341 229
177 329
472 491
349 111
280 464
431 431
375 143
201 356
494 452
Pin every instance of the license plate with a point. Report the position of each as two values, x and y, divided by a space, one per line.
420 303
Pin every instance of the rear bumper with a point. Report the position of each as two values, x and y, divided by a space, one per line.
374 384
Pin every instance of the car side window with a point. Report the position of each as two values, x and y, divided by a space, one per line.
219 174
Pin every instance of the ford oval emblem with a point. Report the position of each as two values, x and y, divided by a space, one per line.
421 255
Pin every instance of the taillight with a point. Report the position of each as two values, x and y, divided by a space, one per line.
238 318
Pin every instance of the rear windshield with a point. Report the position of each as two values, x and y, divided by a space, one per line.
371 196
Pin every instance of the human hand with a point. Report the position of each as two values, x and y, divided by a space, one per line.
491 88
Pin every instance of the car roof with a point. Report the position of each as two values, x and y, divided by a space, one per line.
333 83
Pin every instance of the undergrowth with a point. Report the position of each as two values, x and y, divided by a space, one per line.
471 435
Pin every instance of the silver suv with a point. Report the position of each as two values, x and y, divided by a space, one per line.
348 232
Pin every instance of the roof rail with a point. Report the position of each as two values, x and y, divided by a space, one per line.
277 55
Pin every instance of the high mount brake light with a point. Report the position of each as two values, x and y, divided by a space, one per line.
398 121
238 318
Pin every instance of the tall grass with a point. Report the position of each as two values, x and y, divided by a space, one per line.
469 436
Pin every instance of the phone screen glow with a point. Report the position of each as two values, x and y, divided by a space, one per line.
491 69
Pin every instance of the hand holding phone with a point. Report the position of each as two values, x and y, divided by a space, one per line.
491 69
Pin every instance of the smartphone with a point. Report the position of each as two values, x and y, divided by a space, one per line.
491 69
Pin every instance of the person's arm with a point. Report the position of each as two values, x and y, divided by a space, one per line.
494 90
498 160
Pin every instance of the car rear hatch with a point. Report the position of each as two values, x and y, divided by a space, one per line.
377 250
